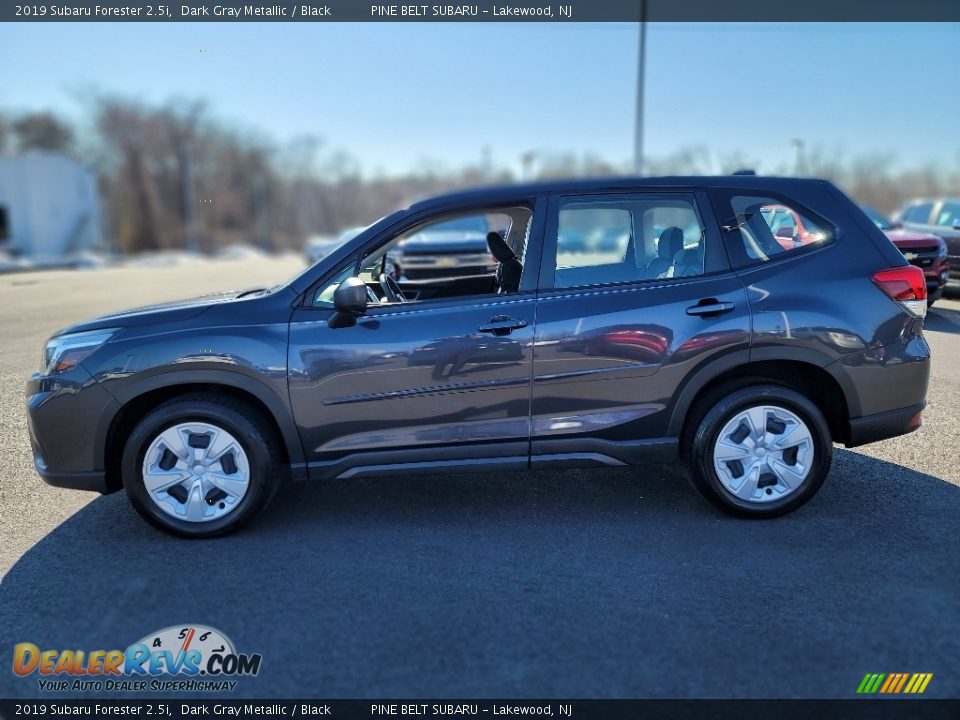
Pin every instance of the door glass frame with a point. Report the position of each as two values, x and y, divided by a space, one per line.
716 257
537 203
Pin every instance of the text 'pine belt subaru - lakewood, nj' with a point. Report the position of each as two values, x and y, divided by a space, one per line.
626 321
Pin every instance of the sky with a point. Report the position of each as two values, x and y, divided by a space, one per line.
396 96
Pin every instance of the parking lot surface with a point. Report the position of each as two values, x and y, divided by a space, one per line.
601 583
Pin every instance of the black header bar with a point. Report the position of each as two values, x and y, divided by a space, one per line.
459 709
484 11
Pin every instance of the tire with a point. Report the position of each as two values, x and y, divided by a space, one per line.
250 465
765 483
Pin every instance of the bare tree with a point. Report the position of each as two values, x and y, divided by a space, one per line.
42 131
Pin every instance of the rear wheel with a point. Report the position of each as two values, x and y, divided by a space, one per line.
201 466
760 451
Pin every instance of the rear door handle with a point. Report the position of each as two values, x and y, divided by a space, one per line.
502 325
710 307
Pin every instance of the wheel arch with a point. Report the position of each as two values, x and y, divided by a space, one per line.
806 373
140 399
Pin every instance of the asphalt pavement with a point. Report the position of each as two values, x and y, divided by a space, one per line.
575 584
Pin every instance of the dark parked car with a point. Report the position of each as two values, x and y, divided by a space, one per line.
928 252
939 217
719 347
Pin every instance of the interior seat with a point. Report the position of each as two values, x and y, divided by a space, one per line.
509 268
669 244
689 262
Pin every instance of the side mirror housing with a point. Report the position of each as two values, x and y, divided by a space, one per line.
349 303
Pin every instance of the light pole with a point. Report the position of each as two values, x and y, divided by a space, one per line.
801 146
638 118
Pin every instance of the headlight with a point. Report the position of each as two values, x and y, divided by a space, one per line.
942 250
64 351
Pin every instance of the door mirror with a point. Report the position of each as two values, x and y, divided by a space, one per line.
349 302
785 233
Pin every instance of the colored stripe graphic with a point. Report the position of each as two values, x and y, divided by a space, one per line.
894 683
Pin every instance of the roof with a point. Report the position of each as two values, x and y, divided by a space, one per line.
500 192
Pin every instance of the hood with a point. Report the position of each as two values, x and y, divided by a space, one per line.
434 243
911 238
164 312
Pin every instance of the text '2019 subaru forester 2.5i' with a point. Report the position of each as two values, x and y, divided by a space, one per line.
691 333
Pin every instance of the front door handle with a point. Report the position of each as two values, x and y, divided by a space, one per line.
710 306
502 325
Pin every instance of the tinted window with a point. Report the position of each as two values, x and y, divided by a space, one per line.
949 214
601 242
770 227
919 213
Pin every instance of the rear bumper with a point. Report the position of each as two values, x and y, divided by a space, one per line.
884 425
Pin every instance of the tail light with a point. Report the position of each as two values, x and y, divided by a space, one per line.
906 285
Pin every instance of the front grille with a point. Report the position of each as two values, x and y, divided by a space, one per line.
921 257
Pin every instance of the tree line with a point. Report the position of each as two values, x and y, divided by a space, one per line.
173 176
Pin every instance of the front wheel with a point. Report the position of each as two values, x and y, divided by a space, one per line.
201 466
760 451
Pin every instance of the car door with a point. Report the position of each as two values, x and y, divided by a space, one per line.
619 332
436 384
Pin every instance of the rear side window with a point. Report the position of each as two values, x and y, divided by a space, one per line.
628 239
771 227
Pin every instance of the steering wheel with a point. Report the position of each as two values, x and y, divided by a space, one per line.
391 288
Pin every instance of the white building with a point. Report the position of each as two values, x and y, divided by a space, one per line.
49 207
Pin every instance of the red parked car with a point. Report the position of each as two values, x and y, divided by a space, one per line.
927 252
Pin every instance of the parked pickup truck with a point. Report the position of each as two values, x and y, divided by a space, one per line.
448 249
940 216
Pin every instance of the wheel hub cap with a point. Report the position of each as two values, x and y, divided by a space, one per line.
196 471
763 453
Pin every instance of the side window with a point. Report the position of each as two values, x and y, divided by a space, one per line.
630 239
324 295
769 227
451 246
949 215
449 255
918 213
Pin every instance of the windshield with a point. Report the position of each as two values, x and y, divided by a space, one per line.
879 220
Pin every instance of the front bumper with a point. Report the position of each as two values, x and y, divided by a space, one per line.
67 419
95 481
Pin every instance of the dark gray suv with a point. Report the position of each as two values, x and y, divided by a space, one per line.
628 321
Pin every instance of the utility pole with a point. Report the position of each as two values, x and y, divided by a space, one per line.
261 214
191 236
801 146
486 163
526 160
638 118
